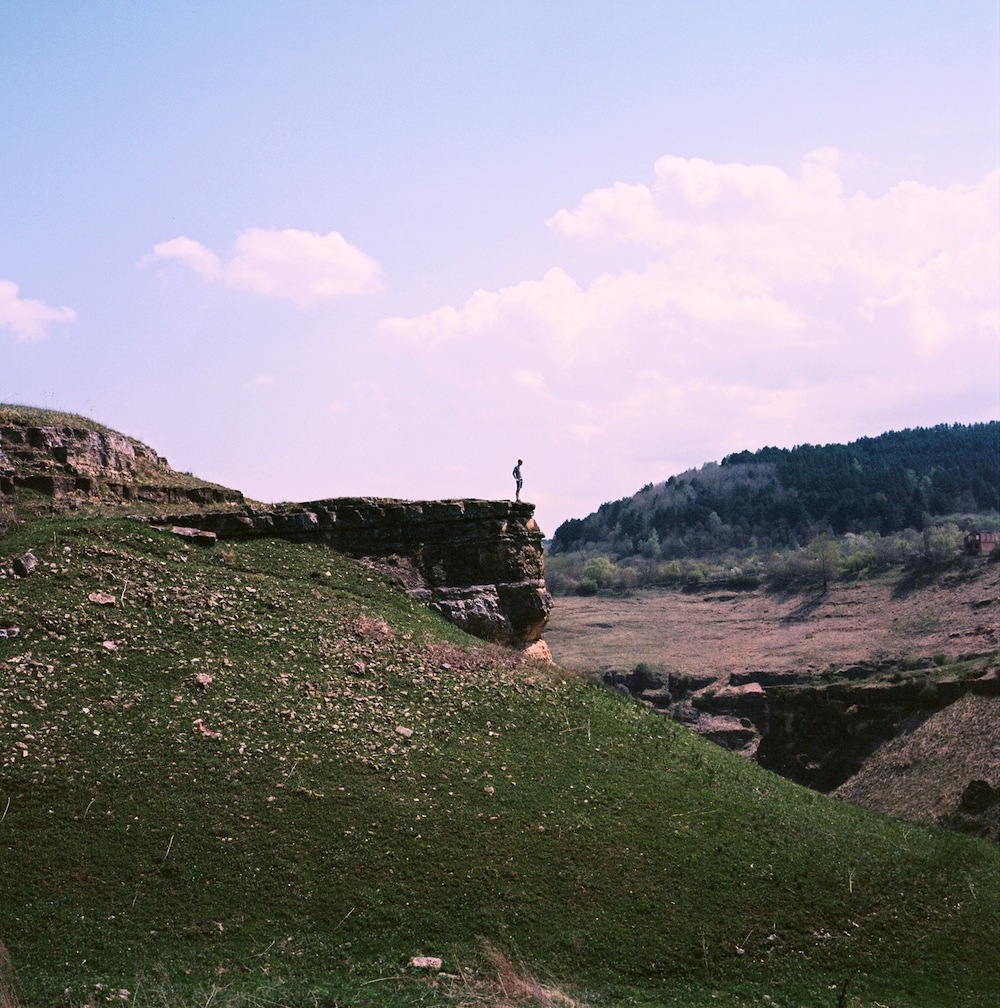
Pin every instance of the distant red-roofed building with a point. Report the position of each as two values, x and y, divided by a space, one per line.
980 542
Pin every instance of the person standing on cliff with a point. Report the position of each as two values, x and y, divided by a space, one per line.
517 479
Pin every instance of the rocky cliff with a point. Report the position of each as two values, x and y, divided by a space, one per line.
843 733
71 460
478 562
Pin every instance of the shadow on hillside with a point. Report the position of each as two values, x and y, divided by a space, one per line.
804 609
915 579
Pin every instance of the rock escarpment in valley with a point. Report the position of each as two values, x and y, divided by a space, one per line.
817 687
919 744
478 562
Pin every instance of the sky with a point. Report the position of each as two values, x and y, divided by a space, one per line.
323 249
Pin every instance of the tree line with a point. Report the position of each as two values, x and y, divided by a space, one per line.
897 492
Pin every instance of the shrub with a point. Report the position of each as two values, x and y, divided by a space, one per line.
704 700
644 677
600 570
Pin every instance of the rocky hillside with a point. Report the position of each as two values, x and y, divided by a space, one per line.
256 774
479 563
72 461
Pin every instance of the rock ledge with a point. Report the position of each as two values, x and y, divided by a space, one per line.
478 562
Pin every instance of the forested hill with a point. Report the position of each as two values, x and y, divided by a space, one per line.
778 497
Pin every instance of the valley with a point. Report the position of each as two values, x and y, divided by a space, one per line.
822 688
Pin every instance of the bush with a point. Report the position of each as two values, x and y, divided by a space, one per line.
600 570
644 677
705 700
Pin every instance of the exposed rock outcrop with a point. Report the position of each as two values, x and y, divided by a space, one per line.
68 461
478 562
817 733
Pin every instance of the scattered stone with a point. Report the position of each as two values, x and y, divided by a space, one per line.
405 732
198 536
426 962
25 565
206 731
12 631
101 598
539 651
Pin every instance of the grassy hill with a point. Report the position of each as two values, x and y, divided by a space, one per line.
259 775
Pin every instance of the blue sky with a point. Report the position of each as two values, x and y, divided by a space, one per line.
320 249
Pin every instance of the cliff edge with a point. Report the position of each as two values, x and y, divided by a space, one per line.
479 563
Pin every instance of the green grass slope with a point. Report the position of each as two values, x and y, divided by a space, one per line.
258 775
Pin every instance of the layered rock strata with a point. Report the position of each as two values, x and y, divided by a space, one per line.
79 463
478 562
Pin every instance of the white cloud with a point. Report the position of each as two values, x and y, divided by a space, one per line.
748 244
189 252
26 318
298 266
429 331
746 258
533 381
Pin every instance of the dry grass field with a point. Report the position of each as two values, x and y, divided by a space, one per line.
719 633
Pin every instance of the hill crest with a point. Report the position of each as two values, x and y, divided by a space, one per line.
74 461
780 497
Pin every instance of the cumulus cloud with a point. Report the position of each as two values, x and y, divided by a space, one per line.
190 253
751 244
27 318
745 263
298 266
